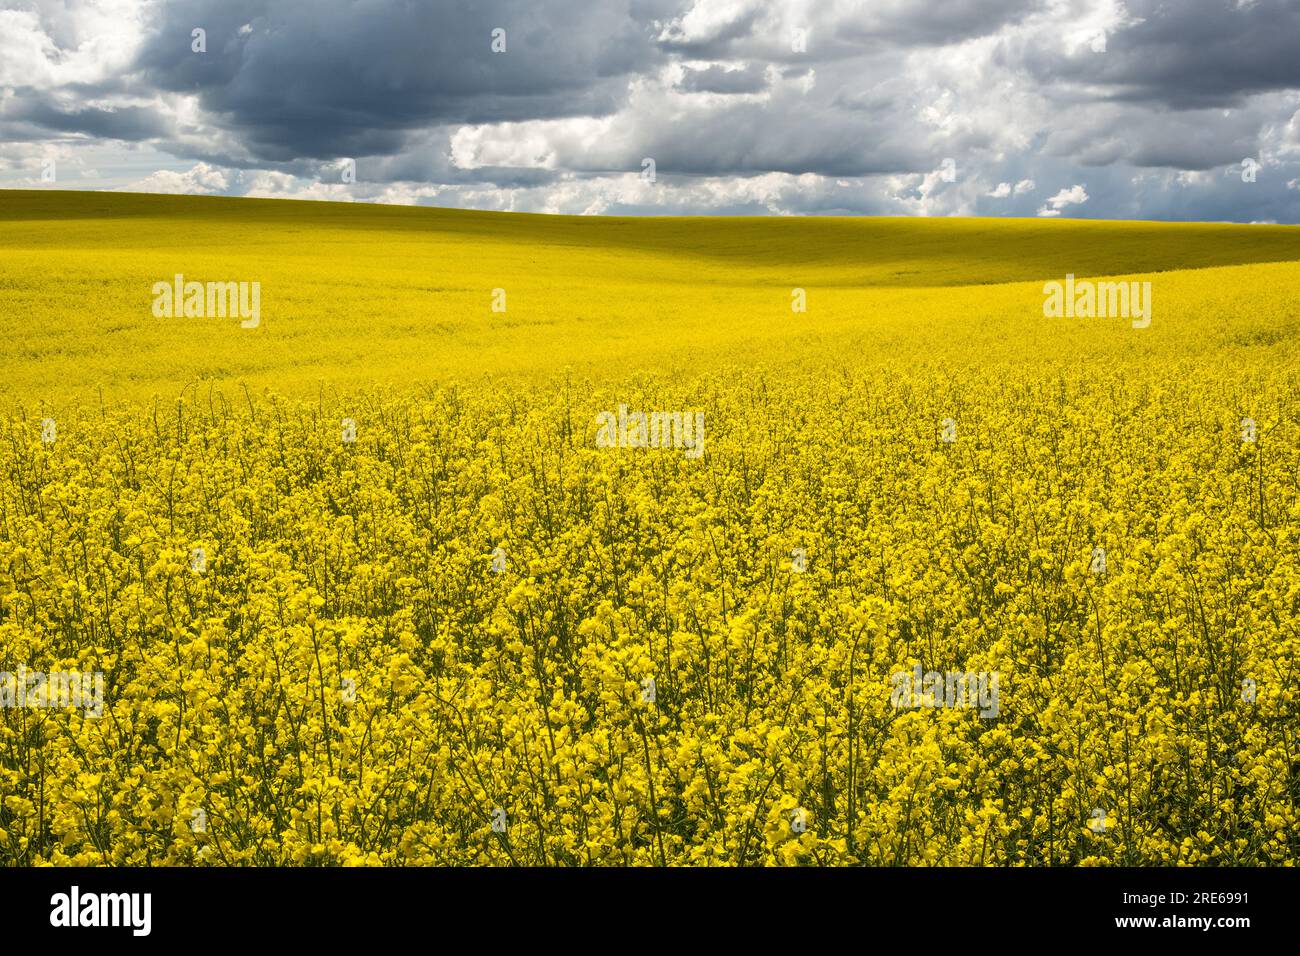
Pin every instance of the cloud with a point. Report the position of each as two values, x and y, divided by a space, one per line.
1074 196
201 179
107 122
44 45
804 106
1188 55
724 79
831 29
325 79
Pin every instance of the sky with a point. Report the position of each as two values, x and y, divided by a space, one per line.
1144 109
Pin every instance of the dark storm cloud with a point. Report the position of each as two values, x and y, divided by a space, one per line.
1188 139
313 78
1192 54
743 140
720 79
935 22
131 123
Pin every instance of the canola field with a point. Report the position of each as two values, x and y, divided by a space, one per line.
389 579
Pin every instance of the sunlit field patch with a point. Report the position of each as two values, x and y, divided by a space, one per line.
366 585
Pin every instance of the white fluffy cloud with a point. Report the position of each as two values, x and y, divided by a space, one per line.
53 45
201 179
1076 195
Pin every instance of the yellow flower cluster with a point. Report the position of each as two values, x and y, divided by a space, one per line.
472 636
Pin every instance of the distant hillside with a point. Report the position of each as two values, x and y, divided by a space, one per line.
365 294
